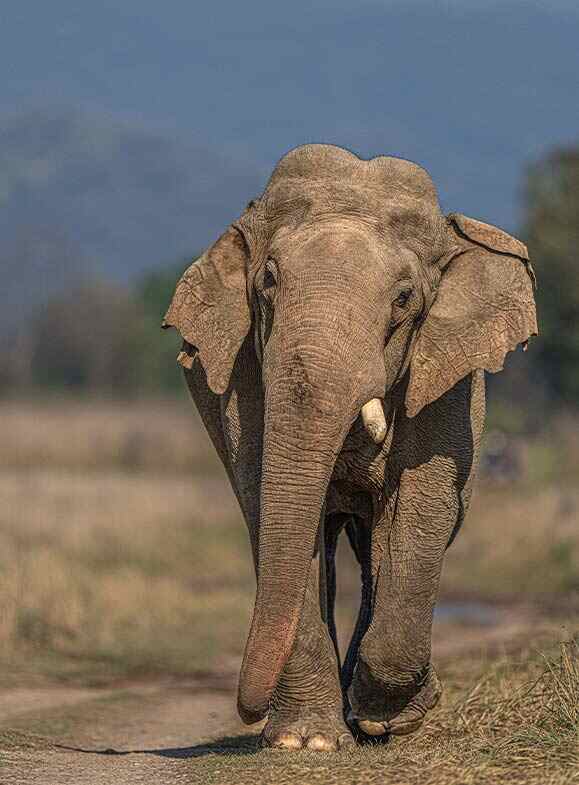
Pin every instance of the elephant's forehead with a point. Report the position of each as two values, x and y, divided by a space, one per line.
293 202
299 198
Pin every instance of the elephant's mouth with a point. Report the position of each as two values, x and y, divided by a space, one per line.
374 420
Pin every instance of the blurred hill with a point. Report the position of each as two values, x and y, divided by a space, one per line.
133 133
81 194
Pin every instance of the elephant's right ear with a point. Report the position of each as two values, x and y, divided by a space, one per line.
210 307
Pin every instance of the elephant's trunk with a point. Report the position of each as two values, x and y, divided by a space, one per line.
312 398
297 465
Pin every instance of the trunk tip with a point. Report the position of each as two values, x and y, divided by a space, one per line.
249 709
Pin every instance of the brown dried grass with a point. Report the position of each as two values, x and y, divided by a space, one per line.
144 563
511 720
89 435
136 571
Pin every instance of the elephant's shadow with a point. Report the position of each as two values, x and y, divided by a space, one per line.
242 744
239 745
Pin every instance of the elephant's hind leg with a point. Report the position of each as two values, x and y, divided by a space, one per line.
359 536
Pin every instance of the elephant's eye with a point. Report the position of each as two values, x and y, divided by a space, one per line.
268 279
270 274
403 298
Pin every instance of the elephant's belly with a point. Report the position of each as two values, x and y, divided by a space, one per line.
348 500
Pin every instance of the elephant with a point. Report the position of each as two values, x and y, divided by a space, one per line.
335 342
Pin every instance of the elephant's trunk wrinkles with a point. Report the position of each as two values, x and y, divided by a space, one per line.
305 427
374 420
296 474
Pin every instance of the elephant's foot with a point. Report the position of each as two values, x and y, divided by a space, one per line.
313 731
307 707
378 708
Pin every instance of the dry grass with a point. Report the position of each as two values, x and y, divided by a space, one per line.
520 541
121 553
86 435
514 720
511 719
135 571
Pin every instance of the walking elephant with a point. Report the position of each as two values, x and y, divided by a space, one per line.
335 343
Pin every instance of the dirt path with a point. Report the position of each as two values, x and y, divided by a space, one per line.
140 734
163 732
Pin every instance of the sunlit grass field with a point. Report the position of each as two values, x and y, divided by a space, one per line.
122 549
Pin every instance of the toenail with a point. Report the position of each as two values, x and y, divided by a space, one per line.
345 740
404 728
286 741
319 743
372 728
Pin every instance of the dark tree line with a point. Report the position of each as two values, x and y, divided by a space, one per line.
551 229
96 337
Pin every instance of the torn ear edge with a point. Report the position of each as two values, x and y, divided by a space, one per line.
492 238
210 308
188 353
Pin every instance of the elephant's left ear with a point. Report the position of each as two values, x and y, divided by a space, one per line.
483 309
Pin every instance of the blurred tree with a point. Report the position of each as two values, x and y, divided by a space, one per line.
551 230
87 338
99 337
158 348
38 261
96 336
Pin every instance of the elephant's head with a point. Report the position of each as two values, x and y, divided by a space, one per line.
351 279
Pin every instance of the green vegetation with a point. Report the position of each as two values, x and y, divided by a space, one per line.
551 229
98 337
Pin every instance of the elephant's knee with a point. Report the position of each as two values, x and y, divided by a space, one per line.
395 660
392 675
383 691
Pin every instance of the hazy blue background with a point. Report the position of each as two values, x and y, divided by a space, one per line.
132 132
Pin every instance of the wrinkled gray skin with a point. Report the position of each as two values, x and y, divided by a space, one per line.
345 283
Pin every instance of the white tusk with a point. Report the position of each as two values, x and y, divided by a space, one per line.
374 420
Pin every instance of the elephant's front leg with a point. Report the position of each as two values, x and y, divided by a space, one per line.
307 706
395 683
